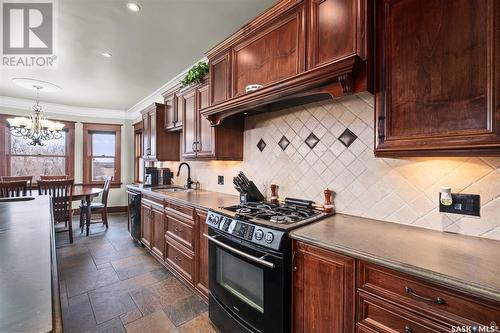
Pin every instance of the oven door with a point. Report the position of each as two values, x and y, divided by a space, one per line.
248 281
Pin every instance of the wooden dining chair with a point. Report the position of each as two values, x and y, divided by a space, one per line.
97 207
13 189
28 179
57 177
61 194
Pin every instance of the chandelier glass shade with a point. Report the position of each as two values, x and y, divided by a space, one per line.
35 128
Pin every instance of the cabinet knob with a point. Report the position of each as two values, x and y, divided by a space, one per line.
178 229
408 329
180 259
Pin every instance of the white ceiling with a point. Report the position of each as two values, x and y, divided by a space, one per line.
149 47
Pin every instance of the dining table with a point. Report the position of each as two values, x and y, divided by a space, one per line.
85 194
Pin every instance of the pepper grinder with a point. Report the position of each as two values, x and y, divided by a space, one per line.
274 193
328 205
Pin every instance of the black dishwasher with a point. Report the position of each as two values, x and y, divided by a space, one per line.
134 214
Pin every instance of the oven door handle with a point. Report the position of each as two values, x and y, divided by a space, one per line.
240 253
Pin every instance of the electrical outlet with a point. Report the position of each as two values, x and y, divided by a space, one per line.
220 180
464 204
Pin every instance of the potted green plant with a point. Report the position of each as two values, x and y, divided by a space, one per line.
196 74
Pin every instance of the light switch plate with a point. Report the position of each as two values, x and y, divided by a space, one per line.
220 180
463 204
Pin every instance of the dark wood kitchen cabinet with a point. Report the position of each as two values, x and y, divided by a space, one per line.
323 290
200 139
158 232
173 110
335 30
271 54
294 49
337 293
220 77
146 223
201 280
437 77
158 145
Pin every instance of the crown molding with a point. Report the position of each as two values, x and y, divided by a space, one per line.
135 111
26 104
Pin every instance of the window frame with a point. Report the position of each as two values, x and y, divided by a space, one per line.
69 128
88 129
138 153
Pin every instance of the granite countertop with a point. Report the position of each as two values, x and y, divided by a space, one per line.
469 264
196 198
26 246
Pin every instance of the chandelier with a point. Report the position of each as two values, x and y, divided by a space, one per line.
36 128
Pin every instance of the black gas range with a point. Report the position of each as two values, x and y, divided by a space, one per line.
250 264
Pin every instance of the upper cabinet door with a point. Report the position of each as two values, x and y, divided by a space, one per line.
170 111
152 133
437 77
180 110
332 30
189 124
220 78
146 138
275 53
205 145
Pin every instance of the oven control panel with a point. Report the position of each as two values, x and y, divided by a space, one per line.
257 234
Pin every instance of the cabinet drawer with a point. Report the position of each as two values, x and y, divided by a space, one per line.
181 232
442 304
382 317
183 211
182 261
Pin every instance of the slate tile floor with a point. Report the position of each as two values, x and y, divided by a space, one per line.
110 284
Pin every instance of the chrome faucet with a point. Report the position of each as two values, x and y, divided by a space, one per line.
189 182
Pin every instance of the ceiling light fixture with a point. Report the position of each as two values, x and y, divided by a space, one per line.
36 128
133 7
106 55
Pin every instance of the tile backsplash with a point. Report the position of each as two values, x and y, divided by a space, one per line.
329 144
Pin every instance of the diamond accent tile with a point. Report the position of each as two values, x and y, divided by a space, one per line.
261 145
312 140
347 137
284 142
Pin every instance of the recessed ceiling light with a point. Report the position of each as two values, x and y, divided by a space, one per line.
106 55
132 6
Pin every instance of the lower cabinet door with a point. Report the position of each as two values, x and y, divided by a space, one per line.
146 226
323 290
158 223
202 255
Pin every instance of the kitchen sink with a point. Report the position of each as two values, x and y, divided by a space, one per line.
171 189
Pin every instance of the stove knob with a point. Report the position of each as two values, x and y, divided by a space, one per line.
269 237
210 218
259 234
217 219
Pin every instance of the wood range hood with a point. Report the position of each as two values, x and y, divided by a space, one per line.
297 48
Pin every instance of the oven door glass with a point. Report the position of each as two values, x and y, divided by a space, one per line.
243 280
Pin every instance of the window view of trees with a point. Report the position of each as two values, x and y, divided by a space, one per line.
26 160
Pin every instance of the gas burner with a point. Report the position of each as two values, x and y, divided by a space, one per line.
243 211
280 219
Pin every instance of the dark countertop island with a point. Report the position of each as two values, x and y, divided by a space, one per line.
465 263
29 295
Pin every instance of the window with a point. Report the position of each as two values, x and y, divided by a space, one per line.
101 153
138 161
18 158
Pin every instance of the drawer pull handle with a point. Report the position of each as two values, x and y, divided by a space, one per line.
178 258
408 329
438 300
178 229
